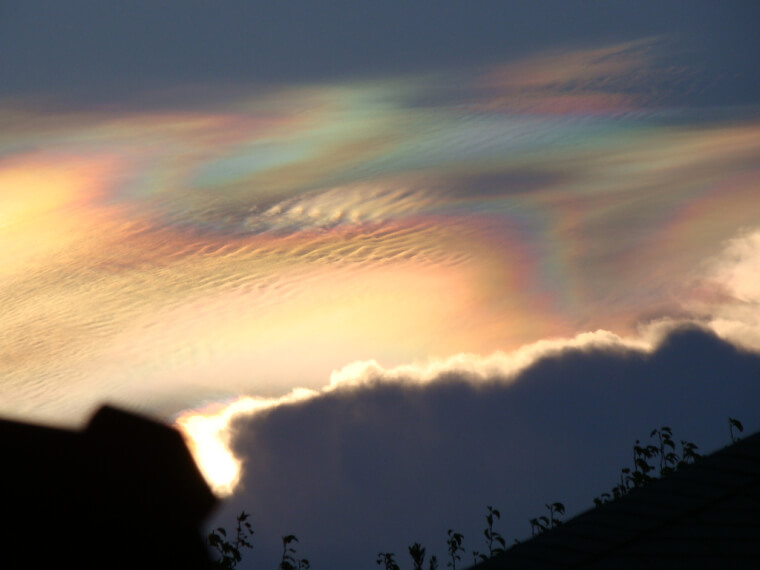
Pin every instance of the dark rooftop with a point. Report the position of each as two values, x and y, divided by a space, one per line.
705 515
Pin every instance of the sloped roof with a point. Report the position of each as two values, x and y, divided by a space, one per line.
705 515
123 493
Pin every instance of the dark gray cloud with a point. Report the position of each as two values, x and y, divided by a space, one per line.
361 470
95 50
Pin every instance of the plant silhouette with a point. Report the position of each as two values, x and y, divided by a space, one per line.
417 552
289 560
386 559
648 458
734 423
454 545
230 552
494 541
547 522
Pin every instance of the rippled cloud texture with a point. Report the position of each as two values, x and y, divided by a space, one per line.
322 275
160 258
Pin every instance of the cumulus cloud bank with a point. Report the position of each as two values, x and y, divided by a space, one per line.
379 464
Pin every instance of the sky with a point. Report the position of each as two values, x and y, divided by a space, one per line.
384 264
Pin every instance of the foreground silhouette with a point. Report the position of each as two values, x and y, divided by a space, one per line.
123 493
702 514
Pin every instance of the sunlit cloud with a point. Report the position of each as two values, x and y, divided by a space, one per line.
727 294
724 300
208 436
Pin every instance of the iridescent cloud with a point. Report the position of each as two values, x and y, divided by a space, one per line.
167 259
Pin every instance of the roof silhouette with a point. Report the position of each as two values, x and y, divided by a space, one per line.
704 515
123 493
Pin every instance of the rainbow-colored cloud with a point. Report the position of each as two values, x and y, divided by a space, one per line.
164 259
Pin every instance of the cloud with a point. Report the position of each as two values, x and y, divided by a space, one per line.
173 255
209 433
593 80
727 293
384 462
500 364
723 299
